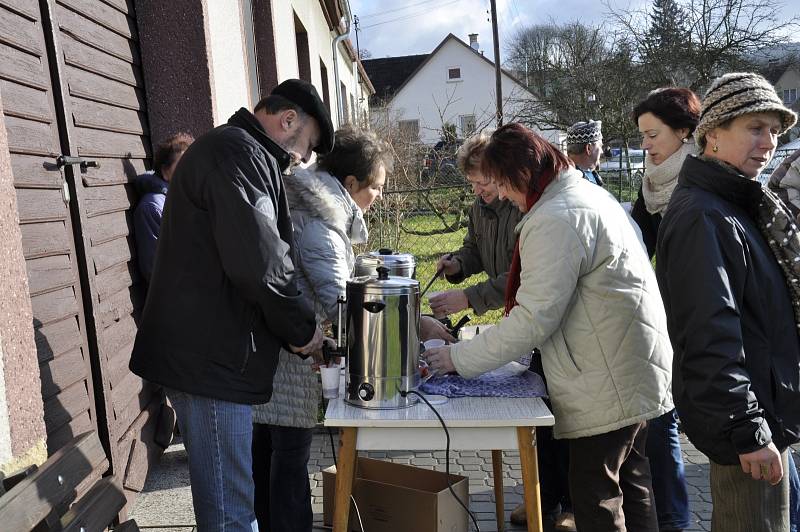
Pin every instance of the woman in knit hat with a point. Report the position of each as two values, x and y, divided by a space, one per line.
666 121
728 264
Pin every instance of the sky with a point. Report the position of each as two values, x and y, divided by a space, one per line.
404 27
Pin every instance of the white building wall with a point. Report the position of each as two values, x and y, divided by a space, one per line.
230 60
433 100
233 58
310 14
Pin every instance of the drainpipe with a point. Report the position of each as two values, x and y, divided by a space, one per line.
335 50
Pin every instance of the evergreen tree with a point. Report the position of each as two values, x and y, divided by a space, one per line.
666 44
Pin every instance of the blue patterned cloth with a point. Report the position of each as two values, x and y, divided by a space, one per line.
502 382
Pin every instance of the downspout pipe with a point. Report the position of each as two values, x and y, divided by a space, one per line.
346 19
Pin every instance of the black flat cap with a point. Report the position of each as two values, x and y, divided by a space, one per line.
306 97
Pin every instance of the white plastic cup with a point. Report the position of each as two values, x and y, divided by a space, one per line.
433 343
330 381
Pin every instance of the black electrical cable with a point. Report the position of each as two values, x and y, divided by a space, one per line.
352 499
446 455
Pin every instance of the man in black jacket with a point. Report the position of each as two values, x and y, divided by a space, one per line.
223 299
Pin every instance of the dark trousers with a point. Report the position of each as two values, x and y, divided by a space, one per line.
609 480
280 472
552 458
667 471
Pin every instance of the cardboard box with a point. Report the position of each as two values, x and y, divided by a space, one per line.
400 498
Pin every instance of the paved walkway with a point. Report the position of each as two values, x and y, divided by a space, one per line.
166 502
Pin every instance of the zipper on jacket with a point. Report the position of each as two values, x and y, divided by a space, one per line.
250 350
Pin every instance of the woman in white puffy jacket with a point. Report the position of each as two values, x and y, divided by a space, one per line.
581 288
327 204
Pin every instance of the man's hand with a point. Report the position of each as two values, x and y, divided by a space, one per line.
450 302
763 464
314 346
430 328
439 361
448 264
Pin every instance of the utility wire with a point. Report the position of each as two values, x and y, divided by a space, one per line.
398 8
407 17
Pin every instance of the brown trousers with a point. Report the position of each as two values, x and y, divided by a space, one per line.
609 482
742 504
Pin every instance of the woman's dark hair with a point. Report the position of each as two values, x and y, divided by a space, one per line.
518 156
356 152
677 107
167 151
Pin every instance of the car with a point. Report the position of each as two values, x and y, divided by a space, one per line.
611 164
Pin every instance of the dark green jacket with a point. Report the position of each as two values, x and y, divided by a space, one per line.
488 247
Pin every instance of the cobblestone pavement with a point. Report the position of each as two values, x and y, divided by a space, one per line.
165 504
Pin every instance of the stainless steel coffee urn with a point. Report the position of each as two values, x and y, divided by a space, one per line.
382 340
399 264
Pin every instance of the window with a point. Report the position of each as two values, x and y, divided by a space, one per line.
468 125
323 72
454 74
789 95
409 129
303 58
345 110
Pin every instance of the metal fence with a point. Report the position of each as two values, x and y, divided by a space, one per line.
428 218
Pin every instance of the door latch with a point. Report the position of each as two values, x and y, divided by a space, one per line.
67 160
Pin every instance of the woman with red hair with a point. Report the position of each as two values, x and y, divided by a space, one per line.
581 288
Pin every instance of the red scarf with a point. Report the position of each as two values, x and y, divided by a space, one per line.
512 284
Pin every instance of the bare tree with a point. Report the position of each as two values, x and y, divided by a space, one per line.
578 73
721 35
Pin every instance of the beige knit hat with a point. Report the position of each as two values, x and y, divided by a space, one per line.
739 94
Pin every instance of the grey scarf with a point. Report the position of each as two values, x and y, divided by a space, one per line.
778 227
776 223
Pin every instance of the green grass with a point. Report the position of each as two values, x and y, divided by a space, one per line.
427 250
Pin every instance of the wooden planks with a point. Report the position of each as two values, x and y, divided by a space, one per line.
25 102
102 15
49 273
53 484
54 306
61 372
41 205
21 67
32 171
44 239
57 338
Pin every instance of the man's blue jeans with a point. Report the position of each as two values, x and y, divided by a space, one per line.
217 436
794 494
666 469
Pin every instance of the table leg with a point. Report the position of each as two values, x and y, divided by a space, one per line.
345 476
526 436
497 477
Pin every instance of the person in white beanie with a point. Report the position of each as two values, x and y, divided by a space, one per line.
584 148
729 271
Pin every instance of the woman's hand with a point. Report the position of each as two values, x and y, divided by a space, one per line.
430 328
448 265
450 302
763 464
438 359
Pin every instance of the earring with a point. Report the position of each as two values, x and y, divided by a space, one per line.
715 149
685 140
